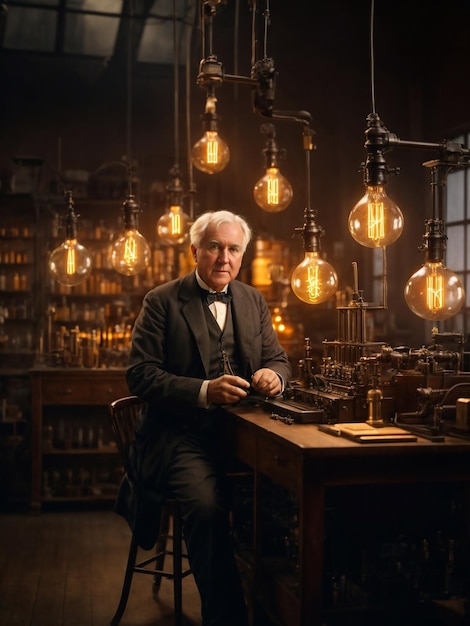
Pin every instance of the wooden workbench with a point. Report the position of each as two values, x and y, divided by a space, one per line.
308 463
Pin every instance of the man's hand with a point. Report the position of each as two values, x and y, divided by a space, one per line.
227 389
266 382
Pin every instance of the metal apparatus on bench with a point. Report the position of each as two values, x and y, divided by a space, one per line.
358 380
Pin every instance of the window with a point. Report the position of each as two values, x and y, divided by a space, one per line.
91 28
89 33
378 260
157 36
31 28
457 220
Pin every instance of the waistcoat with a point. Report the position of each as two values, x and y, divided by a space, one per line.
222 341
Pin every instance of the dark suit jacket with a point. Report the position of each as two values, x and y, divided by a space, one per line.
168 361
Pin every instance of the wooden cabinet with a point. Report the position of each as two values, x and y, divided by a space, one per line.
74 457
281 462
79 336
20 322
15 420
20 280
347 533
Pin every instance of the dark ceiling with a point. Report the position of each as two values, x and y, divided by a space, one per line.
74 93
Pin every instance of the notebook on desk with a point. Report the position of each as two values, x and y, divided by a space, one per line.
364 433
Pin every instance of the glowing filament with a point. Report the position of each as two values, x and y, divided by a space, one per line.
70 262
212 151
313 283
375 220
273 191
130 251
434 292
175 221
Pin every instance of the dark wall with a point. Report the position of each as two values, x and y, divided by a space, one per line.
322 54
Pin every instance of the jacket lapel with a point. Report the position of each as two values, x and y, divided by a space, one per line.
242 322
192 310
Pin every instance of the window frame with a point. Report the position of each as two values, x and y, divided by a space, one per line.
458 191
154 15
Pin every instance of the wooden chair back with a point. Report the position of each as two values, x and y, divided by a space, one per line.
123 415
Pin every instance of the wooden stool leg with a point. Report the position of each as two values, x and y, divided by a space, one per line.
127 582
161 548
177 567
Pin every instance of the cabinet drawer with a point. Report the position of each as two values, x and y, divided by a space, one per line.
279 462
105 391
243 443
75 391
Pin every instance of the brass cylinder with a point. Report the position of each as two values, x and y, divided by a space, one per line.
374 403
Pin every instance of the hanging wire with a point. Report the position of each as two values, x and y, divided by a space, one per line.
192 186
202 23
253 33
176 86
129 85
212 10
236 30
266 24
267 18
308 183
372 60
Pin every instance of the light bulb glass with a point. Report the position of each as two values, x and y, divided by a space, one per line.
375 221
273 192
173 226
314 280
210 154
70 263
434 292
130 252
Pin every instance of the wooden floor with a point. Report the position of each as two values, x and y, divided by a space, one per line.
67 568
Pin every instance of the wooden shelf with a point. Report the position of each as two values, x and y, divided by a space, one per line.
85 395
79 451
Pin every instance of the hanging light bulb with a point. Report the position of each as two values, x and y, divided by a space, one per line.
70 263
173 225
375 221
210 154
314 280
434 292
273 192
130 252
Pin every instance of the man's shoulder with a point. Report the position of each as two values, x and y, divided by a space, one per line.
249 293
239 286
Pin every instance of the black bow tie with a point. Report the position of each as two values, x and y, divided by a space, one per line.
221 296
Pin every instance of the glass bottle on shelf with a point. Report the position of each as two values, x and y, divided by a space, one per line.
260 267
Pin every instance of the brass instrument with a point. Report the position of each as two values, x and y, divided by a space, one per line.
369 381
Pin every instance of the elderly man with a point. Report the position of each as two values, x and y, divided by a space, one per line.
200 342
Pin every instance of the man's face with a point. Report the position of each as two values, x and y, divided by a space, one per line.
220 256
